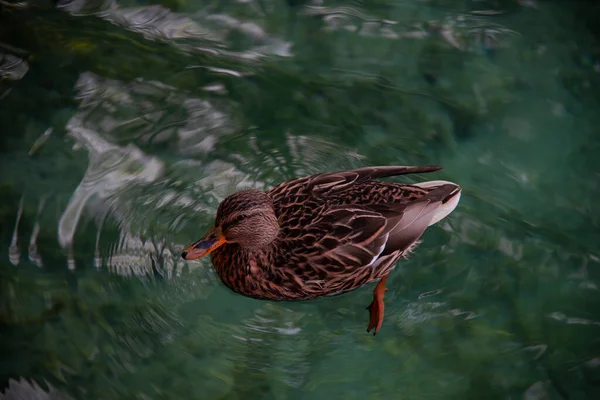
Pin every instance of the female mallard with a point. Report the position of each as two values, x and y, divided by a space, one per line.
323 234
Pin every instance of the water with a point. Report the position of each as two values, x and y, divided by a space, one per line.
125 123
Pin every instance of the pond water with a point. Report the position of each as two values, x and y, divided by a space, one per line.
124 124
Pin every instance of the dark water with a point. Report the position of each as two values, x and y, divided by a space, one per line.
123 124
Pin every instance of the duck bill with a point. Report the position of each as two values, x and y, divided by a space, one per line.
204 246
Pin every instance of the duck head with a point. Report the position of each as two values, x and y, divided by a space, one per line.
246 218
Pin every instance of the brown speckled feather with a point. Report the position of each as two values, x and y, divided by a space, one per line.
338 231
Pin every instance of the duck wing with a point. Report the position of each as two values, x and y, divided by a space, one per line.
331 182
348 246
356 236
344 229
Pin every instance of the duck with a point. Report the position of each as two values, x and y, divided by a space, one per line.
323 235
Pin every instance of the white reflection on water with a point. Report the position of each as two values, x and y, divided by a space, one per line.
199 32
110 169
14 253
559 316
24 390
127 186
157 22
418 313
465 32
12 67
34 255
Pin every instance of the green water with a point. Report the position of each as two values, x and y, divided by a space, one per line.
123 124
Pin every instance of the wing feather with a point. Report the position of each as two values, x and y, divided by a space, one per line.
336 181
322 184
363 236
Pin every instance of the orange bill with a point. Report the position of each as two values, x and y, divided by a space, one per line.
213 239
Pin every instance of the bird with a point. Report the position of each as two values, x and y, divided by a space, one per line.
324 234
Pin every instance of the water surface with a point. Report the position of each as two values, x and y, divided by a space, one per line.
125 123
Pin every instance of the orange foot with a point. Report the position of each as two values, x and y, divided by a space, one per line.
376 307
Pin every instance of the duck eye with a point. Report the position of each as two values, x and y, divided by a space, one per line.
233 222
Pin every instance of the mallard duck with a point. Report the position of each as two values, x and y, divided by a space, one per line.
323 235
